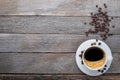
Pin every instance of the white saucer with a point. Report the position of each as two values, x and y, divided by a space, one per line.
85 45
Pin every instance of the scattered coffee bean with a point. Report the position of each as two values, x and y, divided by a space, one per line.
104 38
85 23
96 6
99 70
101 23
102 71
111 17
100 8
96 40
99 43
87 33
82 62
82 51
94 43
109 20
113 26
91 44
105 65
105 12
104 68
80 55
91 13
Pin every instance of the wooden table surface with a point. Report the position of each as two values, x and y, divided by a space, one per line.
39 38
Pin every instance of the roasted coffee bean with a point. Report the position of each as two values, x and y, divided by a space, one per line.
99 43
113 26
105 12
85 23
82 62
94 43
104 68
105 65
96 40
111 17
91 13
86 33
91 44
104 38
96 6
99 70
80 55
82 51
102 71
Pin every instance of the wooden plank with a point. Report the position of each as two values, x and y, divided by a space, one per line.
46 63
58 77
49 25
49 42
57 7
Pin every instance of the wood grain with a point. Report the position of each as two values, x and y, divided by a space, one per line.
50 42
46 63
50 25
57 7
58 77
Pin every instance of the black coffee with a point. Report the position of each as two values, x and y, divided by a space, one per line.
93 54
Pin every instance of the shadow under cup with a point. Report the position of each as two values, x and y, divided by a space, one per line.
94 58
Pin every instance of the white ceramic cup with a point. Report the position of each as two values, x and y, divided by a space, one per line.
80 57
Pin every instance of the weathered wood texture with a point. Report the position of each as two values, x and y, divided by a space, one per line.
50 42
57 7
58 77
46 63
46 44
47 24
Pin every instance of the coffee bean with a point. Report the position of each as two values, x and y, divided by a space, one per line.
82 51
96 6
82 62
99 70
80 55
91 44
85 23
109 20
99 43
86 33
113 26
105 65
102 71
104 38
111 17
94 43
100 8
105 12
91 14
96 40
104 68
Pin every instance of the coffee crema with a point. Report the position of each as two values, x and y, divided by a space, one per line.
94 58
